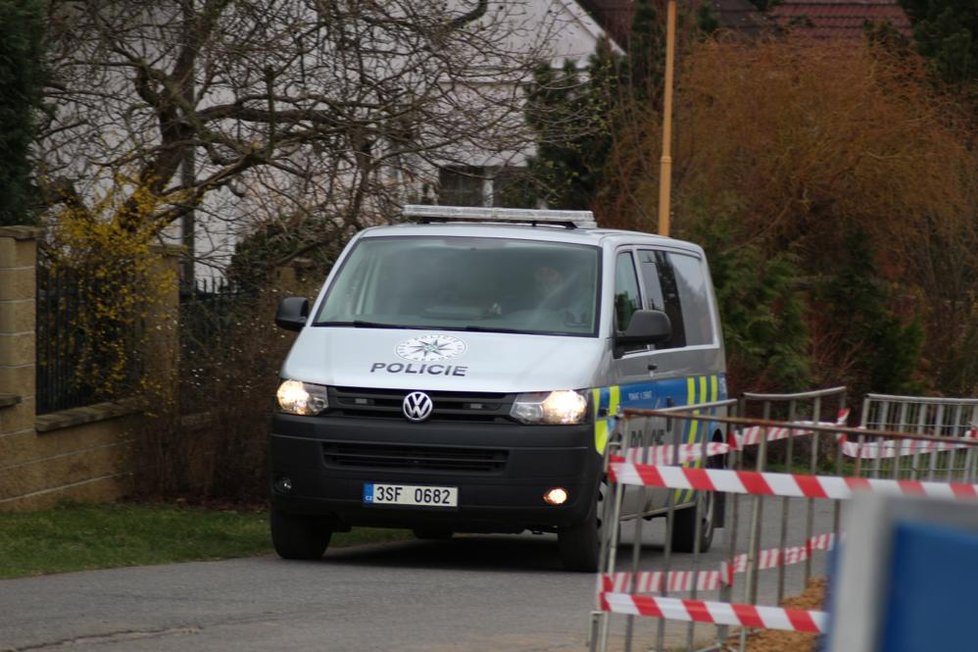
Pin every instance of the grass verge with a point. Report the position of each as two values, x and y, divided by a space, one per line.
84 537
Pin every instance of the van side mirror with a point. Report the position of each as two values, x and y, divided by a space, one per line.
645 327
292 313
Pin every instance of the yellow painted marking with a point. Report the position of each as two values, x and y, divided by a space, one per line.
600 435
614 399
601 423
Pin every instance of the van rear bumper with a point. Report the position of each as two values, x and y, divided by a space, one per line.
501 470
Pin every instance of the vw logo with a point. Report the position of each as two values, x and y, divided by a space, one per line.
417 406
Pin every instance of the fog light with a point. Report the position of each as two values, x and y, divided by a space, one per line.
556 496
283 484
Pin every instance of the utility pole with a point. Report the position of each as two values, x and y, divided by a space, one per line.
665 162
188 166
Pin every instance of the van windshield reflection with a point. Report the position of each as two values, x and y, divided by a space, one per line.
476 284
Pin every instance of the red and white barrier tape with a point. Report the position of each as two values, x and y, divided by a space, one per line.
673 581
775 557
778 484
719 613
753 435
712 580
890 448
671 454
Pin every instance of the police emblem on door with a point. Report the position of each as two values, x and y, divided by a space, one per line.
417 406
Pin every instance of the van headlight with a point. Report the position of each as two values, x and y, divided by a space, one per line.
563 407
306 399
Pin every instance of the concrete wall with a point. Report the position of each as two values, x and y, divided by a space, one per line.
74 455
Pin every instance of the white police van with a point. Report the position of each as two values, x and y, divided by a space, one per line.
462 373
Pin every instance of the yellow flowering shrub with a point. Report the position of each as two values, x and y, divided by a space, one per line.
106 247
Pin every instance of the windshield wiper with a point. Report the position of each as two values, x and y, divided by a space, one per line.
486 329
359 323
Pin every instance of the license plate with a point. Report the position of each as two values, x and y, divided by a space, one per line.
375 493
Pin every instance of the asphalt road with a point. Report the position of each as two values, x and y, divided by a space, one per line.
467 594
472 593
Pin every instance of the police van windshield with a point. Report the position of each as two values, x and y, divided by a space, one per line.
456 283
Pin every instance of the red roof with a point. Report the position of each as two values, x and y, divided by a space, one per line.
838 18
615 16
815 18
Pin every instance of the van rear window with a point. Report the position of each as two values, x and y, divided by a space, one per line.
456 283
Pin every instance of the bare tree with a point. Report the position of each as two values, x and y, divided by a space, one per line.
254 110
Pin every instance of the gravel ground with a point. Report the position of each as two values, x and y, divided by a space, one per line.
778 641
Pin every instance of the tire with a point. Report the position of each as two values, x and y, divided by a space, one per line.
296 536
580 544
712 512
432 533
684 525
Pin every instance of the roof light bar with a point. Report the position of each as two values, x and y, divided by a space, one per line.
573 219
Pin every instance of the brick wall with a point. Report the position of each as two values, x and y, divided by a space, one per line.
75 455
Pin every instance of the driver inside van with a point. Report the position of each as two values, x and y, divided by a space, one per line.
548 293
546 280
532 293
556 291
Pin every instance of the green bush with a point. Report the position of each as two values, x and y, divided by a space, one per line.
762 307
21 79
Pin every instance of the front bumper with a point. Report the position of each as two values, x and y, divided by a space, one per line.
501 470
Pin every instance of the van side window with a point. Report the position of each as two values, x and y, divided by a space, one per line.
627 297
660 286
650 279
693 294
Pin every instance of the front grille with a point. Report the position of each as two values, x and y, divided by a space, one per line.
485 407
422 458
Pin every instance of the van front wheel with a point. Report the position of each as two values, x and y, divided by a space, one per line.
296 536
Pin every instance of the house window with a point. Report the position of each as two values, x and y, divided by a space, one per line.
463 186
482 186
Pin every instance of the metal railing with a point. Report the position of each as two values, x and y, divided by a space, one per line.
209 313
67 358
784 480
950 459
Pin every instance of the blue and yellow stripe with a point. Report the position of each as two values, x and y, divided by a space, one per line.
651 395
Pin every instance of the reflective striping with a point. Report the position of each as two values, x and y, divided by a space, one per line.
607 401
674 392
600 435
720 613
668 454
692 384
713 580
755 434
600 400
779 484
614 400
890 448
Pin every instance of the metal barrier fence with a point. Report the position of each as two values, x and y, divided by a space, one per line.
65 353
950 459
209 311
784 479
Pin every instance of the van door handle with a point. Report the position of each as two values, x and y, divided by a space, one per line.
653 366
